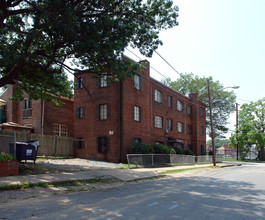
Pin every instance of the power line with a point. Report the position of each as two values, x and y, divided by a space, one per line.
150 65
244 100
171 66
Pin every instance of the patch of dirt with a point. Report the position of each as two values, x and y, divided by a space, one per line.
44 192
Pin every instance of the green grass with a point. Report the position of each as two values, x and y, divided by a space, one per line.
240 160
133 166
33 169
186 169
28 184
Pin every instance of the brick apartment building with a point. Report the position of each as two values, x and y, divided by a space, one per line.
110 117
37 116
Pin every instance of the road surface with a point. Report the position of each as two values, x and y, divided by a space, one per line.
227 193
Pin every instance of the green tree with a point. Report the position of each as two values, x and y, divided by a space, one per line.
218 142
251 127
38 36
223 101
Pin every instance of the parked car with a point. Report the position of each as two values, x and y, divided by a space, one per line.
227 156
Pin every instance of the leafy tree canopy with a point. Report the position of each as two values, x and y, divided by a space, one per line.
218 142
38 36
223 101
251 127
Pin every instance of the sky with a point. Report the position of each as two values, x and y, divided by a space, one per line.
224 39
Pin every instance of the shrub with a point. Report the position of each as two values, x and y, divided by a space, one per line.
6 157
160 148
140 148
178 150
171 150
187 152
210 153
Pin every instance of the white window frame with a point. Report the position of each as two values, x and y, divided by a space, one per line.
81 112
60 131
201 112
158 121
80 83
137 113
179 106
180 127
170 124
137 81
169 101
103 111
158 96
103 81
27 104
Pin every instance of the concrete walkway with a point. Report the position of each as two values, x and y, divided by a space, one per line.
121 174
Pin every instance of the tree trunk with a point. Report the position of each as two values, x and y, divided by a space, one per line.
262 154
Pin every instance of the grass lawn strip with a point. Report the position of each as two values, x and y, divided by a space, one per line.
28 184
186 169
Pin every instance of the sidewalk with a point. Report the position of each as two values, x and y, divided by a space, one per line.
121 174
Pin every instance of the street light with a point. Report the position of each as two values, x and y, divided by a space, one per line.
212 134
232 87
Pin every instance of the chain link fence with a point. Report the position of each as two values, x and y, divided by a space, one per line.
149 160
232 154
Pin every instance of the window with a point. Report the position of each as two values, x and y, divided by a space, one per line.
103 81
180 127
102 144
169 101
136 113
137 140
189 109
60 130
189 129
81 143
80 112
202 150
158 96
103 112
202 130
190 147
27 110
158 122
137 82
79 83
179 106
169 124
201 112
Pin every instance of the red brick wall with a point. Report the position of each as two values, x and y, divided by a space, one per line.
52 114
89 128
8 168
59 115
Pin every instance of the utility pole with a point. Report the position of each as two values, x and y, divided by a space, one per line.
211 122
236 131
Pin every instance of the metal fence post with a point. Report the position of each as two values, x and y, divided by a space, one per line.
128 161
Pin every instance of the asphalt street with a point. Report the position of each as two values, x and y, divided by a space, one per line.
227 193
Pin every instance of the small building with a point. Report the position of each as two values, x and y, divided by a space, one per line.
37 116
110 117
